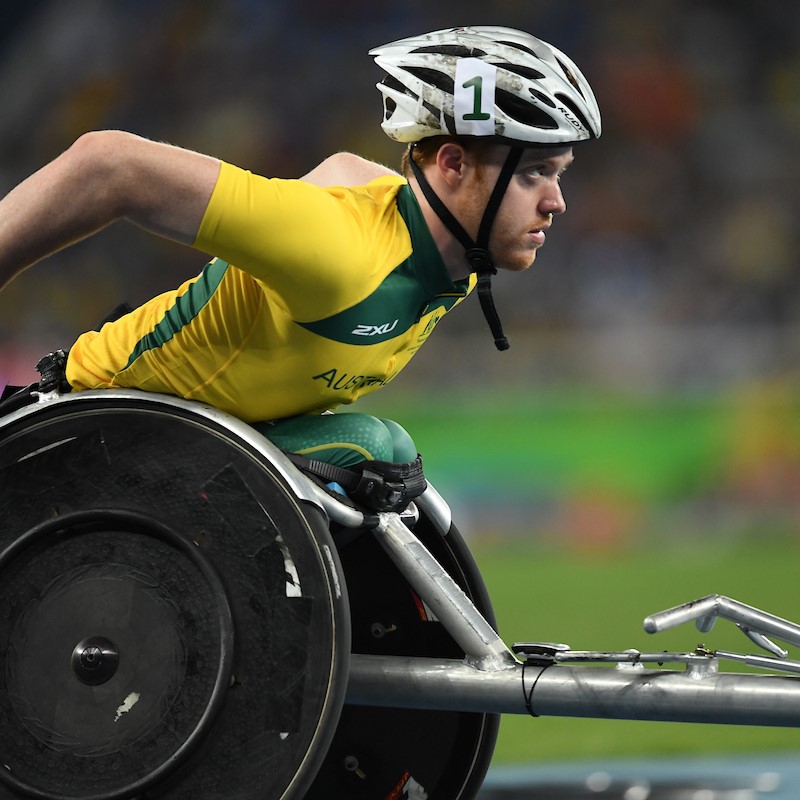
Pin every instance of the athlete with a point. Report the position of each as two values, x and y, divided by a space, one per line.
322 289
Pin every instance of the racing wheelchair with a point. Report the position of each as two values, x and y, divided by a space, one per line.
185 613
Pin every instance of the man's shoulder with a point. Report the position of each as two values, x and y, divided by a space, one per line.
347 169
385 190
396 181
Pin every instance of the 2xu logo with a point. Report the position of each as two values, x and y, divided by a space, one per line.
375 330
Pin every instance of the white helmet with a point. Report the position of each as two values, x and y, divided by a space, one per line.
484 81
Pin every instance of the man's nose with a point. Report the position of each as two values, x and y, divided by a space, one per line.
553 202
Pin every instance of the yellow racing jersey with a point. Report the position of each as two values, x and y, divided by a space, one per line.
315 298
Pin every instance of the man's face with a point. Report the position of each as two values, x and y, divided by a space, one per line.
530 201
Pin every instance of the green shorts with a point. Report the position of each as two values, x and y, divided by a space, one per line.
343 439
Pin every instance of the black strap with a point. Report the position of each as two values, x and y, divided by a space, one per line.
486 300
493 206
9 390
441 210
376 485
14 397
346 478
484 231
476 252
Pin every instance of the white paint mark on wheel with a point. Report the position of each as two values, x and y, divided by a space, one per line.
127 704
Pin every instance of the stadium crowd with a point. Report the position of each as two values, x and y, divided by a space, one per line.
681 219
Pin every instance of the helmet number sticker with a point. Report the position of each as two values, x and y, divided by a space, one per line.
474 97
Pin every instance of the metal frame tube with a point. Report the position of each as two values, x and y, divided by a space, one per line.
490 679
571 691
704 612
480 642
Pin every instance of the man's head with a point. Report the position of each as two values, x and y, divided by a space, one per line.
490 115
463 173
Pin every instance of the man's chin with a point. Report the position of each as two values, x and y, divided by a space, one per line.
518 265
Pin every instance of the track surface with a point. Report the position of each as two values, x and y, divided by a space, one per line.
754 778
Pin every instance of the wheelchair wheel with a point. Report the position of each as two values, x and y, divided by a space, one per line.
173 619
406 754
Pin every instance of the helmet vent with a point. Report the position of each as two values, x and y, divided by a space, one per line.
433 78
431 109
522 47
457 50
523 112
391 82
541 97
568 102
533 94
570 77
521 70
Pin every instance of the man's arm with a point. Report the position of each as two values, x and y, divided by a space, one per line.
111 175
105 176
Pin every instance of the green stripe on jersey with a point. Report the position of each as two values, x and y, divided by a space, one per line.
187 306
415 287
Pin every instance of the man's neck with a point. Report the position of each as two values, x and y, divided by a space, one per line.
451 250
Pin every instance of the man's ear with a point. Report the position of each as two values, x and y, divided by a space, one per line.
450 161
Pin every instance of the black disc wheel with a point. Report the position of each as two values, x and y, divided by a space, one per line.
394 753
173 620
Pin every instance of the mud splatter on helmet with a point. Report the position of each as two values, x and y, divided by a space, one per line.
484 81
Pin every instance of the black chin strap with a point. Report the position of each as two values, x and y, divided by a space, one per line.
476 252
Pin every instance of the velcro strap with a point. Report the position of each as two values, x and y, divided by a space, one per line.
376 485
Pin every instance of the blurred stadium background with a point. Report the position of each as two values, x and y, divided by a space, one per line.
651 396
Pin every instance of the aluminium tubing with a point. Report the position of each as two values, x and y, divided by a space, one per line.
575 691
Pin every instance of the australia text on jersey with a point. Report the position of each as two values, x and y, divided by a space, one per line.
343 381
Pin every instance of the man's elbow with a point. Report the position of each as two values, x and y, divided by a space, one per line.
100 164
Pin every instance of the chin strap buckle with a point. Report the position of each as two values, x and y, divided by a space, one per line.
480 262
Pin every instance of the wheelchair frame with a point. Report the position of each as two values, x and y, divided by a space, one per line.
534 678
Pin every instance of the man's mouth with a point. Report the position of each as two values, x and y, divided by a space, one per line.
537 236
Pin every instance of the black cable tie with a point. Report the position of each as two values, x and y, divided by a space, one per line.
528 696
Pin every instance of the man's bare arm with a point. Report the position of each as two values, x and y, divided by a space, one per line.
105 176
111 175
